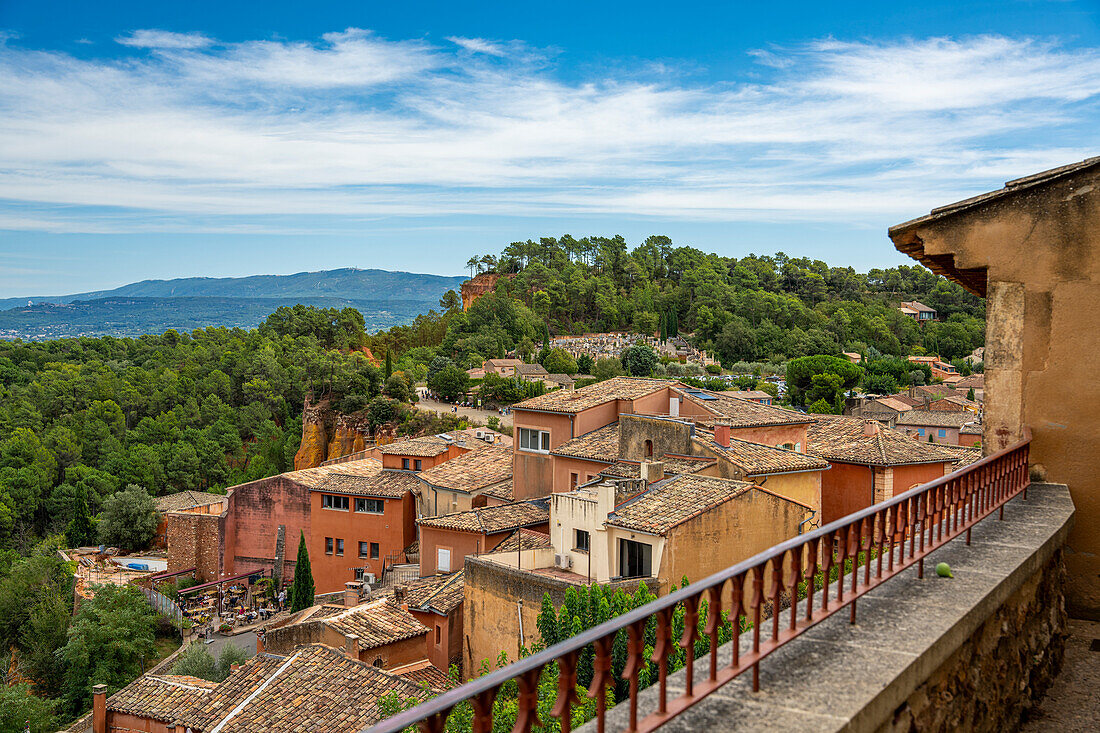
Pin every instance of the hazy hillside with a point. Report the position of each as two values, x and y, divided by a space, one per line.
384 298
348 283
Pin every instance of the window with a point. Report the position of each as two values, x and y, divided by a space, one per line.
442 560
942 432
328 501
405 463
920 431
328 545
339 546
582 540
417 464
364 549
649 449
635 559
537 441
438 634
370 506
374 551
573 477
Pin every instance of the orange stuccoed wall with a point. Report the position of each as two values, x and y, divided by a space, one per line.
393 530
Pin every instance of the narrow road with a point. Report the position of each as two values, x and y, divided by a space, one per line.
246 641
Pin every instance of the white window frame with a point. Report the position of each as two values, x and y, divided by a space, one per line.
442 554
542 439
364 510
329 501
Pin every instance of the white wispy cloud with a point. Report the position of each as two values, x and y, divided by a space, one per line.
149 38
232 136
477 45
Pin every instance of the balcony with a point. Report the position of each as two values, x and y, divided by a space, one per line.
881 643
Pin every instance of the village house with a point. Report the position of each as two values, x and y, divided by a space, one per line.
542 425
459 484
446 540
936 426
192 502
355 517
918 311
502 367
619 533
436 602
870 463
420 454
752 395
380 633
330 690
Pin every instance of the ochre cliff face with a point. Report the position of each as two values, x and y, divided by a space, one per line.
348 437
313 449
326 435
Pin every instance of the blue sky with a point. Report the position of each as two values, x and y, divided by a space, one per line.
159 140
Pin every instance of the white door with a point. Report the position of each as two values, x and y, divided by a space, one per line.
443 560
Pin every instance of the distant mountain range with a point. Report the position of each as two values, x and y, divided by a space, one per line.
152 306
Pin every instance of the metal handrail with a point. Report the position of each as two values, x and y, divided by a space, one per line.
903 530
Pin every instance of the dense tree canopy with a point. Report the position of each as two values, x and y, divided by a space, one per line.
756 308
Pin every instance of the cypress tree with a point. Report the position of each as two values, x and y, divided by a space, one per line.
970 394
389 364
547 622
302 589
80 531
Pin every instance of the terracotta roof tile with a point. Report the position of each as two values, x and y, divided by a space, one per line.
438 593
388 484
436 679
601 444
314 688
376 623
756 459
493 519
504 491
185 500
489 465
313 477
937 418
674 501
425 447
160 697
843 439
523 539
740 413
617 388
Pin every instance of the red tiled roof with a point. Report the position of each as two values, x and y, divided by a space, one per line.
493 519
489 465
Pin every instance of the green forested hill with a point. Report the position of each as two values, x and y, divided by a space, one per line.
750 308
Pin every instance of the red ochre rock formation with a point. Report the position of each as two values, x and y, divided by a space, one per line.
326 435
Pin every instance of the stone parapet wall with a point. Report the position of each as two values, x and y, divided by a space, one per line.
1002 670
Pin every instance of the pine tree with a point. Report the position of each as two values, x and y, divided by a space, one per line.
302 589
80 531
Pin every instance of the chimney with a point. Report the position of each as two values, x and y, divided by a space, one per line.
260 642
653 471
351 593
722 434
605 499
99 709
871 428
399 593
352 646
